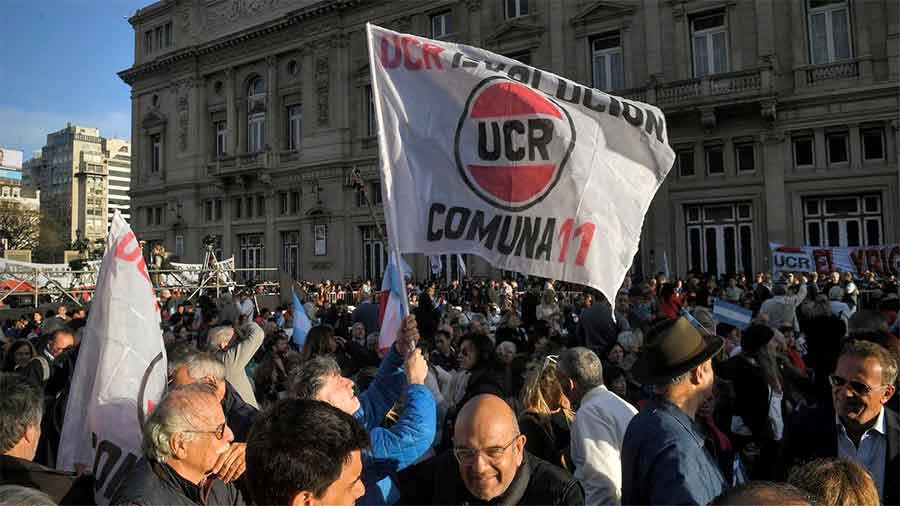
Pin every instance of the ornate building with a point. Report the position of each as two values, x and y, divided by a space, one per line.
249 117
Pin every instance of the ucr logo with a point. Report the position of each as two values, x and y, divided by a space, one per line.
512 143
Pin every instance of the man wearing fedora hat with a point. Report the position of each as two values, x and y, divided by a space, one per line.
663 457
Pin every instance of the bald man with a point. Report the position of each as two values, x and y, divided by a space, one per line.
488 463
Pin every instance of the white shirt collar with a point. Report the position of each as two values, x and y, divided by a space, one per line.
880 424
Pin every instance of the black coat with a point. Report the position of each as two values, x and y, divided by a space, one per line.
62 487
151 483
537 482
238 414
812 434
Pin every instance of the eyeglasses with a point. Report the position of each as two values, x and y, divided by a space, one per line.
858 387
219 432
466 456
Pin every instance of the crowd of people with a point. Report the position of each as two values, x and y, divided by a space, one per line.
497 391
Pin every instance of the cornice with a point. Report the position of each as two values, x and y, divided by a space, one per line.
322 8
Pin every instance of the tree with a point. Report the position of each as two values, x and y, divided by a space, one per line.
20 225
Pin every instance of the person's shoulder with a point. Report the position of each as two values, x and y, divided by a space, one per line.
549 477
653 424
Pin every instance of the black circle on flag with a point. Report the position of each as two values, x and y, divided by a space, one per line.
512 143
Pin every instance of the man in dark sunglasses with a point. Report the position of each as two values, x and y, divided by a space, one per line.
861 428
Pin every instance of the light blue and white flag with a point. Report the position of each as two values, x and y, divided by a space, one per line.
462 265
732 314
302 323
436 265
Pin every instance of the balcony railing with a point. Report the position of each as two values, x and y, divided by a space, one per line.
690 91
831 72
235 164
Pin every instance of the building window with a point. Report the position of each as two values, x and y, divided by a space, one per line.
218 210
516 8
260 206
221 137
376 193
155 153
158 33
320 236
252 252
237 206
441 25
167 28
720 237
148 42
684 160
158 216
715 162
256 115
710 38
148 216
282 203
744 155
843 221
256 126
803 151
838 147
606 60
371 127
290 253
207 210
829 30
295 202
374 257
295 127
872 140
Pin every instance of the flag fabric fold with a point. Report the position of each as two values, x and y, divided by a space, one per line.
436 265
732 314
462 265
120 374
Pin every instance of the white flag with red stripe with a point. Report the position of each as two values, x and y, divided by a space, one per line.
120 373
390 301
535 173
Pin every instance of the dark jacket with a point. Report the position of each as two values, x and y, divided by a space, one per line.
813 434
751 390
238 414
437 481
596 329
62 487
151 483
483 381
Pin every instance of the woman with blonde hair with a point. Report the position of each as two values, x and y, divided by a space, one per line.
546 414
836 482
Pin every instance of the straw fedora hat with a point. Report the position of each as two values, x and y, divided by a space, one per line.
672 348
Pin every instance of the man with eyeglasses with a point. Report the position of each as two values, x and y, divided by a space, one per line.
862 429
488 464
183 440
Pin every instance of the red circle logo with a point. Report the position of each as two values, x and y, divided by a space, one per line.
512 143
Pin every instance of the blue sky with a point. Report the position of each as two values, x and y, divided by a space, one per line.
58 63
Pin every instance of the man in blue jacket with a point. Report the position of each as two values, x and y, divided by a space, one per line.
394 448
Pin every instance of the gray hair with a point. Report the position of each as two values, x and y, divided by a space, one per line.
582 366
311 377
218 336
664 387
200 364
17 495
21 406
174 415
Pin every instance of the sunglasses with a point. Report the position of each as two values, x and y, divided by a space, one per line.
549 359
858 387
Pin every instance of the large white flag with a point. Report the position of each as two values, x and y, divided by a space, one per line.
482 154
121 369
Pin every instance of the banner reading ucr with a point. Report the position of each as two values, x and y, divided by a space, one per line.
121 369
482 154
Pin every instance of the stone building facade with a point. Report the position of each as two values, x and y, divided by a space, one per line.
249 117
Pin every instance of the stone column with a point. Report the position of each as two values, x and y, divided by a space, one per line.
201 132
855 147
682 54
474 9
895 130
557 22
230 113
652 38
775 205
273 106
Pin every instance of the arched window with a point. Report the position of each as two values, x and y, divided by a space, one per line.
256 115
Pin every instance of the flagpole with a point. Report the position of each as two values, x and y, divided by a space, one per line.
383 158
